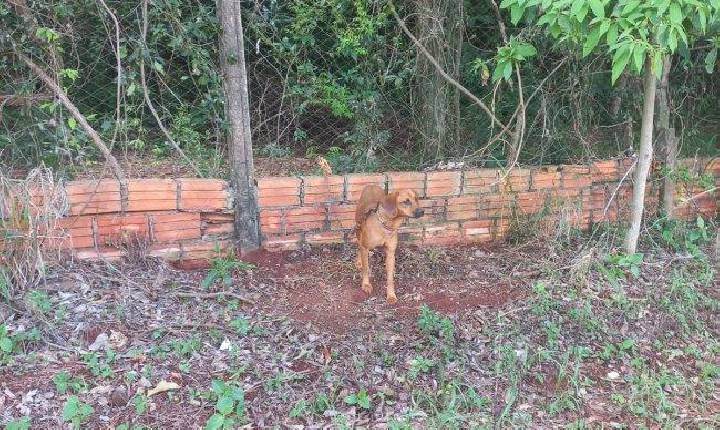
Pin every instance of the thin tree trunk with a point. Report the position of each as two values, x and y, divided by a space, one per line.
439 25
237 108
666 139
644 159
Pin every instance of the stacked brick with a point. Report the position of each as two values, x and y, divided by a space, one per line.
172 219
193 218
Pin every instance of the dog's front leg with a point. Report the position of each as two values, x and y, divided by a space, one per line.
365 263
390 273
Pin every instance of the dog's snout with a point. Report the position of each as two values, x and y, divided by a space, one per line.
419 212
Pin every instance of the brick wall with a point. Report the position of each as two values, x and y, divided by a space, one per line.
173 219
192 218
466 206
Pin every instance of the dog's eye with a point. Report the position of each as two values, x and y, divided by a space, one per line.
407 202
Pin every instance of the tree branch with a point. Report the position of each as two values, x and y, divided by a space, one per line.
146 92
442 72
68 104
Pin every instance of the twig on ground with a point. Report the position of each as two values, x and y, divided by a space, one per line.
213 296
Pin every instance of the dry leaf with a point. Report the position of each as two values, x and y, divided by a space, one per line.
163 386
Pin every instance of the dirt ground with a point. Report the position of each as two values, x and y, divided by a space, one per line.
532 336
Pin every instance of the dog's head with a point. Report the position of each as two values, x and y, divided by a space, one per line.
403 204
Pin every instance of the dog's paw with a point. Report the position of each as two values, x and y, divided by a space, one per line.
358 263
392 299
367 287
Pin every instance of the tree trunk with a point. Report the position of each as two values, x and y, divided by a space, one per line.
644 159
440 30
237 110
667 141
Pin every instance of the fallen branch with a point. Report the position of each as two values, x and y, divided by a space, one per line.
612 196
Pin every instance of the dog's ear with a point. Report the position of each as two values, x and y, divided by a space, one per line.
390 204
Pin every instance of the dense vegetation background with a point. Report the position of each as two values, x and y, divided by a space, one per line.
337 78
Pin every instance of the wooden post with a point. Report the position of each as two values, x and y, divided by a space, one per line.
237 110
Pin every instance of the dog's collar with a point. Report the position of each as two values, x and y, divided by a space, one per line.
384 222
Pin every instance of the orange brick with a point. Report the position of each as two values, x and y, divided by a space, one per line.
323 189
478 231
463 208
281 243
357 182
480 181
116 227
325 237
202 185
441 184
175 226
89 207
305 218
442 234
152 185
517 180
204 204
605 170
92 187
74 222
407 181
278 192
151 205
545 179
271 221
341 217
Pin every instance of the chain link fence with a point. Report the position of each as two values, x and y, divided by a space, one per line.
337 78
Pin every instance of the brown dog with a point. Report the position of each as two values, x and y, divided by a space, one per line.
378 217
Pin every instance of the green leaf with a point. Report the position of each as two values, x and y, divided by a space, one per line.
635 270
516 13
505 3
598 8
592 40
525 50
639 57
700 222
72 123
672 40
576 8
215 422
710 60
676 16
620 60
612 34
131 89
630 7
225 405
6 345
507 71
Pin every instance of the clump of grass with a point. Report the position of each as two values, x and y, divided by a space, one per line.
29 209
